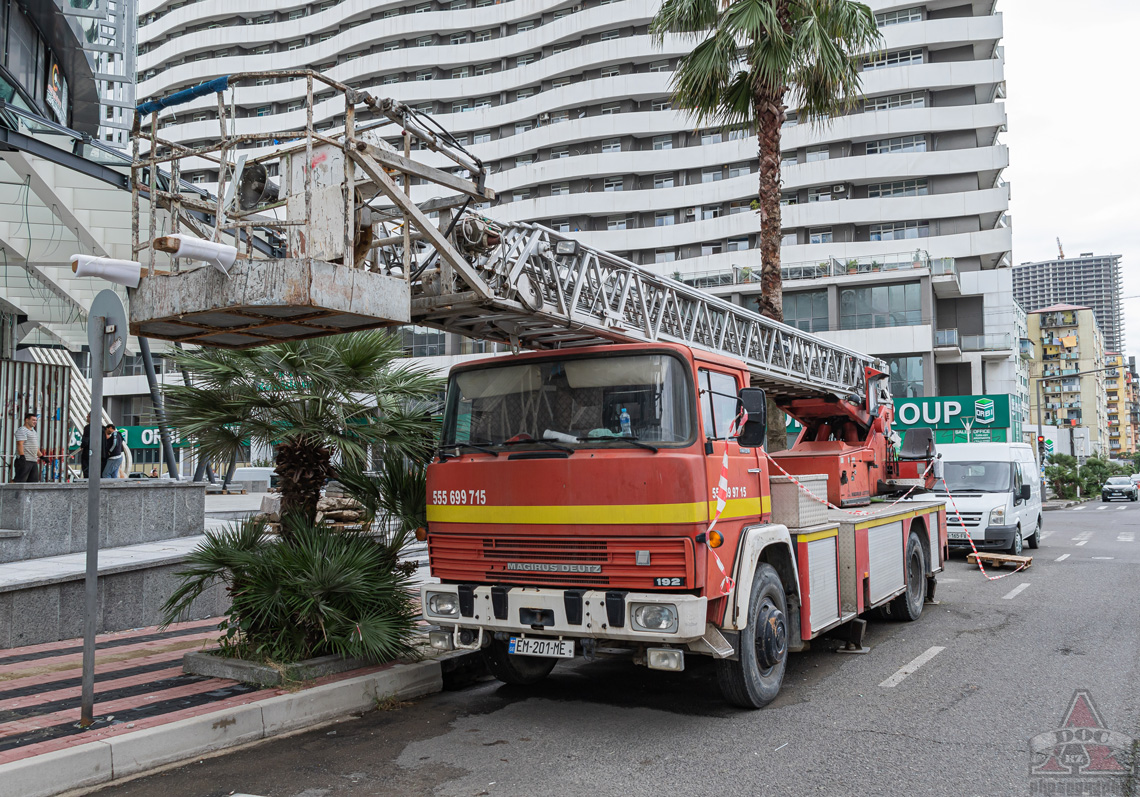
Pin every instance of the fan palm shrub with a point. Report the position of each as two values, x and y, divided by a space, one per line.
307 594
316 399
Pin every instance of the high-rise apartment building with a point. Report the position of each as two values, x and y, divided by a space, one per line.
895 232
1090 280
1067 342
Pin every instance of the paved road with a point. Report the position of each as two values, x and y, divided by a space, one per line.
998 663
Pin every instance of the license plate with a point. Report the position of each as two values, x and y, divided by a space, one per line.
530 646
958 535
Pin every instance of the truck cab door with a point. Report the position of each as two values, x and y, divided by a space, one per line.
745 499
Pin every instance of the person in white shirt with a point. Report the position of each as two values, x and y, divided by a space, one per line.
27 465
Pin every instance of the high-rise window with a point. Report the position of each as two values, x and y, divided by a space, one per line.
806 310
664 218
609 35
558 189
611 71
898 305
608 110
919 187
712 175
820 235
910 99
906 376
611 145
820 194
900 230
896 58
665 256
663 181
710 212
898 17
560 225
738 244
616 223
662 142
613 184
894 145
819 153
711 137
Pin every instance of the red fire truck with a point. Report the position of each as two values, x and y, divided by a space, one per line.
571 513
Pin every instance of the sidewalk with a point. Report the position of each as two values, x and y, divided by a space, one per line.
1062 503
148 713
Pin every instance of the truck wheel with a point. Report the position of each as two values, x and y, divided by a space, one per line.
753 679
1015 546
1035 540
908 606
514 669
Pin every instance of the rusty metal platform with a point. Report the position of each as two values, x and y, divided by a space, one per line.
266 301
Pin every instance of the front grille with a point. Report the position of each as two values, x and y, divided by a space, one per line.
513 550
479 559
969 519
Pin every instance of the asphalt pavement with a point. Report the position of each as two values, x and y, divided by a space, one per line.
947 705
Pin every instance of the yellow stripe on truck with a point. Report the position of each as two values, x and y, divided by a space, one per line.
605 514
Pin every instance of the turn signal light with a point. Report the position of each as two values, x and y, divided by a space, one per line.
716 539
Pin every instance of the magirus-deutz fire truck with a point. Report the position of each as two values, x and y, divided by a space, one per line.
610 493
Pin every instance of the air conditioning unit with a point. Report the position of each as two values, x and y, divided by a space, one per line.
544 117
577 8
838 189
690 211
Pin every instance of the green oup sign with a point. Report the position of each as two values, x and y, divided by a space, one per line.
954 419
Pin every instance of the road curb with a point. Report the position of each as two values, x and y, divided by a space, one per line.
100 762
1066 505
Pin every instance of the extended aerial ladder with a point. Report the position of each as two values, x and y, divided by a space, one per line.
357 248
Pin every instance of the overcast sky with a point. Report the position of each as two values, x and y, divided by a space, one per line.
1074 120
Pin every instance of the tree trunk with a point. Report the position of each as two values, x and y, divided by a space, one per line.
303 469
770 114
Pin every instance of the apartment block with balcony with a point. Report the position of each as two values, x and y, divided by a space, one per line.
1089 280
1067 342
568 104
1119 395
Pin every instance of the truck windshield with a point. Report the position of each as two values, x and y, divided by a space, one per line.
572 401
974 477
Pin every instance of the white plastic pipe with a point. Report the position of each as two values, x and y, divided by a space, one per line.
120 272
220 256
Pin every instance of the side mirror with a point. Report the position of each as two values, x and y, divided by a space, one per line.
1026 492
755 431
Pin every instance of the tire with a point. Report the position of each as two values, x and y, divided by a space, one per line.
516 670
1015 547
1035 540
908 606
1105 500
745 681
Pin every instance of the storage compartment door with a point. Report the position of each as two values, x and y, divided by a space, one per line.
885 554
823 568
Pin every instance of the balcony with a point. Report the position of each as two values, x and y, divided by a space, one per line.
1026 347
944 279
1058 320
947 347
867 264
996 345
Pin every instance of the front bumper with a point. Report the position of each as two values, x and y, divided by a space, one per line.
1128 496
998 538
599 612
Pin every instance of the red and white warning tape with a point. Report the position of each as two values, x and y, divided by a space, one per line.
969 539
721 494
829 505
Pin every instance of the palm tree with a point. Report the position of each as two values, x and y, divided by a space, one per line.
313 398
750 56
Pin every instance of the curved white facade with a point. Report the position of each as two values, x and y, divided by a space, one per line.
568 103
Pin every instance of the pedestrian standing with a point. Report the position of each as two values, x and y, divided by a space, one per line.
27 465
112 452
85 447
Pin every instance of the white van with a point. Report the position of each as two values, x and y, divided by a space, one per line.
996 489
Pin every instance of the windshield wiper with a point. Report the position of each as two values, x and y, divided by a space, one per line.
547 443
632 440
478 445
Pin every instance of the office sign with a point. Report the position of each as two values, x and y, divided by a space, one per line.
55 95
954 419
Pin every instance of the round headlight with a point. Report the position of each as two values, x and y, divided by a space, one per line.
443 603
655 617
